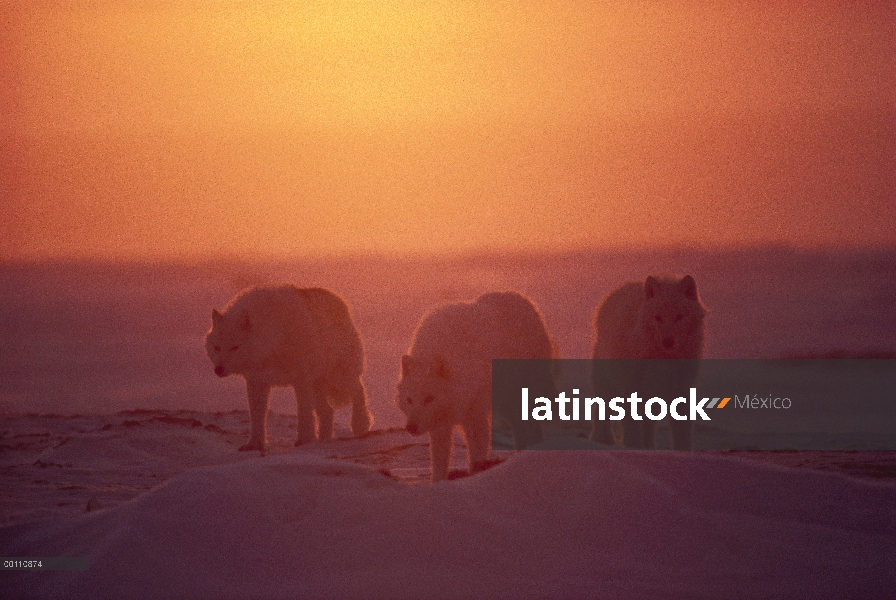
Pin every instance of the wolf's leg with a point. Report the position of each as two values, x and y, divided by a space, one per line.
682 435
526 433
478 435
440 440
258 393
361 417
602 433
324 411
649 433
305 415
632 433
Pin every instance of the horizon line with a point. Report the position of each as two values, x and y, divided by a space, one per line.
412 255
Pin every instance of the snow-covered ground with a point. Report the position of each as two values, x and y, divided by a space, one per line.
163 505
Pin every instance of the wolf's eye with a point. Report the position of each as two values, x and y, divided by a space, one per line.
659 319
678 317
427 400
409 400
235 348
217 348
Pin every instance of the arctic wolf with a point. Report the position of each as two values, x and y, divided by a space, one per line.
446 375
290 336
660 318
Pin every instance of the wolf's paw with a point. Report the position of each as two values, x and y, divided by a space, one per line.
605 438
253 445
361 423
483 465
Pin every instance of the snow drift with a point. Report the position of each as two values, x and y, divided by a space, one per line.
542 524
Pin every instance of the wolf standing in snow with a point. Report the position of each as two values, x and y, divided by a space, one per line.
660 318
290 336
446 375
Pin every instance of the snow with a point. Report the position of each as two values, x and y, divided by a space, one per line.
349 518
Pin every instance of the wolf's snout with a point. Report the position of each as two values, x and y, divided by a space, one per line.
412 428
668 343
220 371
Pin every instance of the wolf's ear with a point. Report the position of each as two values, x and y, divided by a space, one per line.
216 317
688 287
406 363
245 321
439 368
651 286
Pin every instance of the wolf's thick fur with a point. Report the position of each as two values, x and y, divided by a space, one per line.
446 375
290 336
659 318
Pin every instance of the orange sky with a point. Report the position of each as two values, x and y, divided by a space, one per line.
134 129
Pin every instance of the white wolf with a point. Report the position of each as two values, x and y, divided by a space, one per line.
661 318
290 336
446 375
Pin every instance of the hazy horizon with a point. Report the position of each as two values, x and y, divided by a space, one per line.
472 254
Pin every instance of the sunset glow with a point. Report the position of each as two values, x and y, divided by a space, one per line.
142 130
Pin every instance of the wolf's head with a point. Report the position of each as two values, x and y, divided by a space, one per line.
228 343
673 317
423 393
